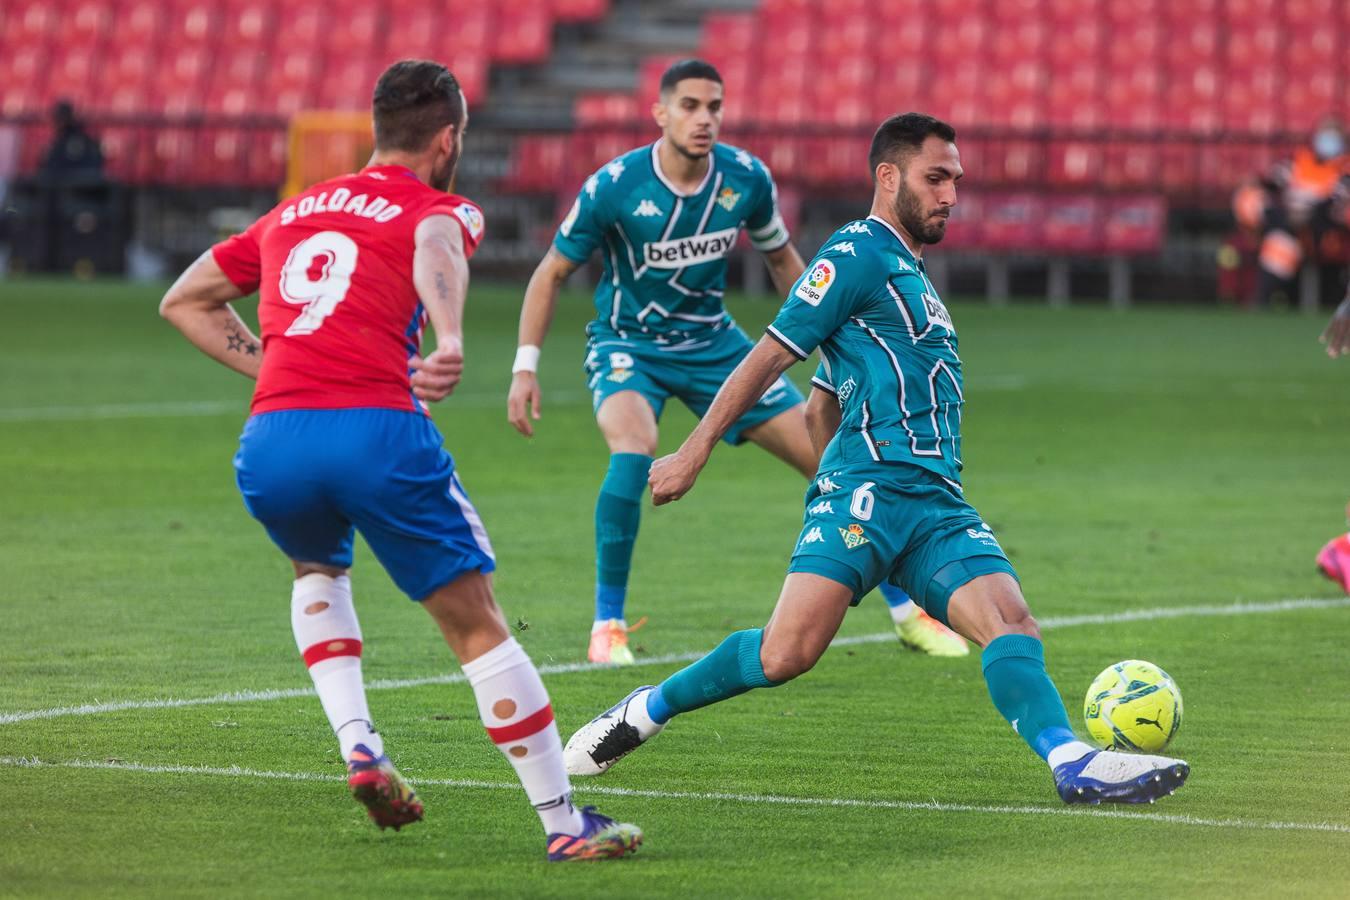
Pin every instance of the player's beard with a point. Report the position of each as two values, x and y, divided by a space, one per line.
442 178
690 154
909 212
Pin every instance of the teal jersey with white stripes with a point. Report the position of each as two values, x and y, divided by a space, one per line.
888 349
664 250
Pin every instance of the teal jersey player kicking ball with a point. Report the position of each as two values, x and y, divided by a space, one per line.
886 503
664 217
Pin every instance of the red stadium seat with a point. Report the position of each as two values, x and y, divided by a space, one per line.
471 71
1191 43
1072 98
348 83
1307 98
1251 100
1132 100
248 24
360 30
579 10
299 27
1191 100
524 32
140 25
727 36
606 109
189 22
536 161
29 22
71 76
1129 165
1074 163
85 22
184 66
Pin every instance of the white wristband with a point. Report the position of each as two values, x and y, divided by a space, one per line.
527 359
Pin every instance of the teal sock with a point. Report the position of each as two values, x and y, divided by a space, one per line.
617 512
731 669
1014 669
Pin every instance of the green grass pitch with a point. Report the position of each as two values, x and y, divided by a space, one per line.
1155 461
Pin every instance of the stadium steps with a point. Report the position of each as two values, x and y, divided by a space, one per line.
595 56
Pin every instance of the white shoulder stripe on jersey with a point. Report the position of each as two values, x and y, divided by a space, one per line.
786 342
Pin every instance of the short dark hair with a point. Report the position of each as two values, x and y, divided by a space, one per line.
414 99
900 136
688 68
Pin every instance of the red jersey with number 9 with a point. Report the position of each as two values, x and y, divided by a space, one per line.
333 268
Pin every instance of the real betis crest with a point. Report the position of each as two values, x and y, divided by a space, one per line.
853 536
728 199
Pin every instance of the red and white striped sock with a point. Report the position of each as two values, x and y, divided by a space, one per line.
329 639
515 709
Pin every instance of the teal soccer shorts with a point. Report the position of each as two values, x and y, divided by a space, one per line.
870 523
693 375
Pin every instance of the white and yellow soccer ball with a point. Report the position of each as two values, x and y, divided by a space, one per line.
1133 705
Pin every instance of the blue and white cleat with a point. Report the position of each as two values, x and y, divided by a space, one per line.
602 838
612 735
1109 776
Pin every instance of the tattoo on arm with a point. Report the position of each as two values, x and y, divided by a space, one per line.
442 289
238 341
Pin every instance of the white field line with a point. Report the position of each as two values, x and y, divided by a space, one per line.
172 409
705 796
385 684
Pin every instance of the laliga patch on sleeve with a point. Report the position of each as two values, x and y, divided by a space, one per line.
567 223
472 218
816 282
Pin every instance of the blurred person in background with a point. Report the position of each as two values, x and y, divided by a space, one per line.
1298 208
73 152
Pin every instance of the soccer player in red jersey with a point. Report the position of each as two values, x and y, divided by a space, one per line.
339 438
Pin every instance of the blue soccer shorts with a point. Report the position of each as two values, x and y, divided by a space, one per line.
313 477
694 376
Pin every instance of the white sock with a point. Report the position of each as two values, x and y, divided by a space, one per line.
514 707
329 639
598 624
902 612
1073 750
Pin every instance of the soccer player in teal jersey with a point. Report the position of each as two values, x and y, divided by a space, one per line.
664 217
887 501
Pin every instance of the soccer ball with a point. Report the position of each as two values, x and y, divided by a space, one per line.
1133 705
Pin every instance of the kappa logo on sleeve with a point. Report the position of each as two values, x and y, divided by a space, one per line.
472 219
815 284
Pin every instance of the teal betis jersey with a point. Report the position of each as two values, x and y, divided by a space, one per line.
665 251
888 347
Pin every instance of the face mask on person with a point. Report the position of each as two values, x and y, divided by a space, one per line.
1328 143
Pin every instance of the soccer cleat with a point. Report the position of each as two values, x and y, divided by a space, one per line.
927 635
1109 776
602 838
1334 561
612 735
376 784
609 643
